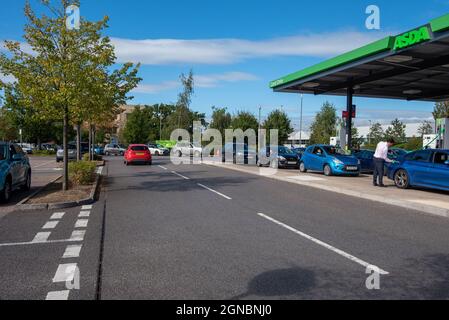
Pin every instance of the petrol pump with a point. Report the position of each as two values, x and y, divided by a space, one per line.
442 126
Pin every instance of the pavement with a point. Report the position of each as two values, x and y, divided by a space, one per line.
425 200
44 170
204 232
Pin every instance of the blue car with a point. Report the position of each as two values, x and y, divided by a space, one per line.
423 168
366 158
99 150
330 160
15 170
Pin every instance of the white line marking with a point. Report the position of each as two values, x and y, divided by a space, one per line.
41 237
323 244
58 295
100 170
43 164
86 207
84 214
50 225
212 190
15 244
180 175
65 272
78 235
81 223
72 251
162 167
57 215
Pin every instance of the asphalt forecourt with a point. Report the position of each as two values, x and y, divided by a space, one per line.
50 255
426 201
204 232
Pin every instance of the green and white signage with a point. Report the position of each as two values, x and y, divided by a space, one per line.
411 38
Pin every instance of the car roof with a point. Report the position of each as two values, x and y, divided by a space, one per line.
137 145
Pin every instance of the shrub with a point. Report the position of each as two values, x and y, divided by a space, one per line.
96 157
82 172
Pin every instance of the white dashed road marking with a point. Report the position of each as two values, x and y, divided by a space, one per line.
77 235
84 214
81 223
41 237
180 175
86 207
72 251
162 167
65 272
50 225
58 295
323 244
57 215
214 191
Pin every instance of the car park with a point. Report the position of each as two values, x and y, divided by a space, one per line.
26 147
240 153
329 160
137 153
424 168
114 150
279 157
158 150
185 148
15 170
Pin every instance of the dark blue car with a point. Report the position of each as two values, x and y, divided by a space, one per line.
423 168
366 158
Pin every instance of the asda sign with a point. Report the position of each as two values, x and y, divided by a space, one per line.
411 38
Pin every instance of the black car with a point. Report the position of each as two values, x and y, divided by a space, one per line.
280 156
240 153
299 151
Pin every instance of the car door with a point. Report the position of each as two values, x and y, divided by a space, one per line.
438 175
22 164
14 165
317 159
418 167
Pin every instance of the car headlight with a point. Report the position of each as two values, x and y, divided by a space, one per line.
281 158
338 162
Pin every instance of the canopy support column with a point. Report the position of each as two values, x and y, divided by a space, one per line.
349 105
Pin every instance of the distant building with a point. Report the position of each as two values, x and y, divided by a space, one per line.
293 139
120 121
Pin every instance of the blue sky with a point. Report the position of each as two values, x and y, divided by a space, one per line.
236 47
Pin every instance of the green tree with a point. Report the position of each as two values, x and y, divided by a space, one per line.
279 120
441 110
70 72
357 141
396 131
425 128
376 134
324 125
413 144
8 131
221 120
138 126
244 120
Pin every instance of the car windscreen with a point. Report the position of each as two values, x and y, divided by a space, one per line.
284 150
2 152
333 151
139 148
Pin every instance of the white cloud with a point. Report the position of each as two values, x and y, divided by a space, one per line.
227 51
201 81
7 79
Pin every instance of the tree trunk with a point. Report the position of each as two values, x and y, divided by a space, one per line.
65 182
90 142
78 142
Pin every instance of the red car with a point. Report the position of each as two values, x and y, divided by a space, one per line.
138 153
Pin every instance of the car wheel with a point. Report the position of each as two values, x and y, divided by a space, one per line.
156 153
197 154
5 195
274 164
150 163
106 154
27 185
127 163
302 167
327 170
259 164
402 179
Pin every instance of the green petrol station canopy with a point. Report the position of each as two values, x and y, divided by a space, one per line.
410 66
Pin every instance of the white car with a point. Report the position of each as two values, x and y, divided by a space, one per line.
114 149
185 148
158 150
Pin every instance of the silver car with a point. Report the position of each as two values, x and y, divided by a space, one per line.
114 149
71 150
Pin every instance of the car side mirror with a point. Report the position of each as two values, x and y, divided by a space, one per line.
17 157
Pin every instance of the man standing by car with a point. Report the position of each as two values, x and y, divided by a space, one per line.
380 157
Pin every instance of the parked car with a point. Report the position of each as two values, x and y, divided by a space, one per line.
114 149
279 157
15 170
26 147
158 150
138 153
99 150
330 160
299 151
366 158
424 168
240 153
187 149
71 151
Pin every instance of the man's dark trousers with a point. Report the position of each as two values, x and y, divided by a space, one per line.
379 165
